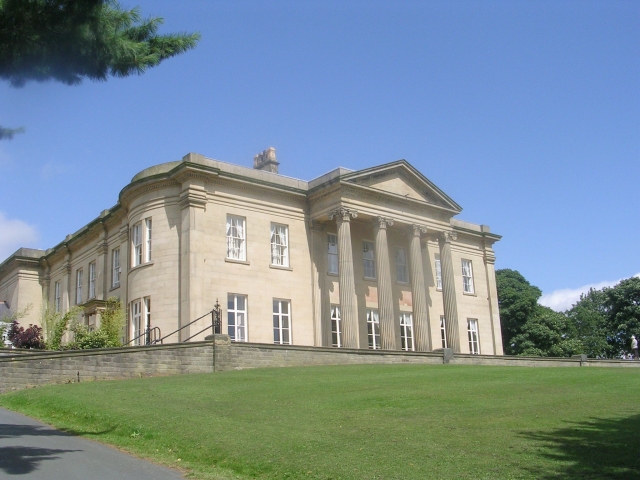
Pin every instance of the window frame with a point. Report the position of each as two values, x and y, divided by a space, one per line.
438 271
369 264
136 320
407 332
92 280
336 326
230 229
116 269
278 322
79 281
56 296
443 332
147 233
373 329
279 251
402 267
332 257
474 343
468 286
236 312
136 251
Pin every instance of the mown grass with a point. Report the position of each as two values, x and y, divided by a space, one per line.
356 422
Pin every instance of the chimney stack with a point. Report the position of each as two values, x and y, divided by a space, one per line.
266 161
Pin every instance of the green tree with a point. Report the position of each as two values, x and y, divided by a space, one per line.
588 324
69 40
546 334
623 316
518 301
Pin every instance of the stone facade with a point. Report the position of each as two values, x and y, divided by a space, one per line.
362 245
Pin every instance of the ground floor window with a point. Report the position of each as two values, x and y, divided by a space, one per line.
443 331
237 317
136 319
336 326
474 342
373 327
406 331
282 322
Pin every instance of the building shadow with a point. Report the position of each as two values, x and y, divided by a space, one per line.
23 460
596 448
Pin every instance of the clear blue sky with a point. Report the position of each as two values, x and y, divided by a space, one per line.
526 113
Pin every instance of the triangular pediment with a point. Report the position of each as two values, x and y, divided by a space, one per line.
401 179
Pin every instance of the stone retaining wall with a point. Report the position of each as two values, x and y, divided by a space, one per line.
21 370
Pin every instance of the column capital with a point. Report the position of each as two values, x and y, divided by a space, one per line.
449 235
343 214
382 222
418 230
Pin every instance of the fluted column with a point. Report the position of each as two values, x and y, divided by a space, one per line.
348 304
420 311
385 293
449 291
321 316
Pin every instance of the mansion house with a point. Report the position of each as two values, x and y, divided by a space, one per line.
372 258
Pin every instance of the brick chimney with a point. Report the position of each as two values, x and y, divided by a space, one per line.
266 161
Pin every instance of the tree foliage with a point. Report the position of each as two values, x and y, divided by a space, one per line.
69 40
599 325
31 337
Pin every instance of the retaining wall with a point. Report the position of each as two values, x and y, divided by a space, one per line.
23 370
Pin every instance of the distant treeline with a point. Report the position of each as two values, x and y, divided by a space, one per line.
599 325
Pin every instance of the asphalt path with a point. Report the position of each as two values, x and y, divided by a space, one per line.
31 450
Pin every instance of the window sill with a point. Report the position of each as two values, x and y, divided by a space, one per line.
470 294
404 284
331 274
281 267
114 288
138 267
233 260
369 279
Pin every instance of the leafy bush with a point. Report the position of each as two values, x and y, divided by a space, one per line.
29 338
107 336
56 325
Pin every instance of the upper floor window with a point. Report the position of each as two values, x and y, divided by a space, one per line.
279 245
467 277
332 253
438 272
147 229
56 296
92 280
282 322
336 327
474 342
137 244
141 242
78 286
373 328
406 331
369 260
237 317
236 238
115 267
402 272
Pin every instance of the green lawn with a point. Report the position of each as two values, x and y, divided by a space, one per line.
364 422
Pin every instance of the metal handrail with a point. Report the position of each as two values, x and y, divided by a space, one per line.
145 333
215 323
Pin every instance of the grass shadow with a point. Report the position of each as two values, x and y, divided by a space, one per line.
593 449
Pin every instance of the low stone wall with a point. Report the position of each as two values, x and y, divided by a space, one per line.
22 370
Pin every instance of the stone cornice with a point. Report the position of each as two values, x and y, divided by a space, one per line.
193 197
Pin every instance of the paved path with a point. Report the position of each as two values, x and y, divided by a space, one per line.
30 450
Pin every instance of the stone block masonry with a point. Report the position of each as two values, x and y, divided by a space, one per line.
24 370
